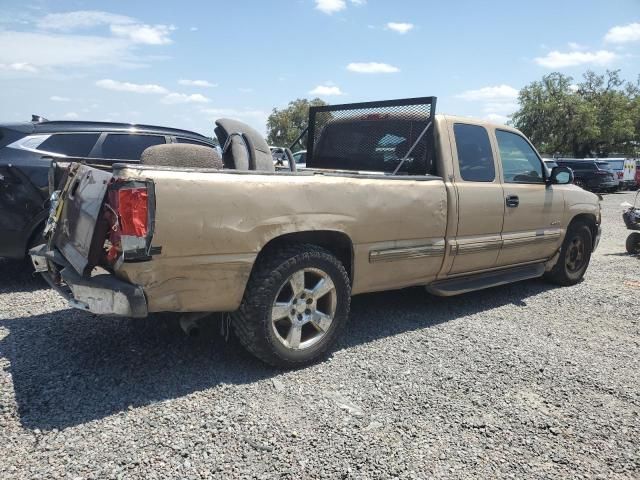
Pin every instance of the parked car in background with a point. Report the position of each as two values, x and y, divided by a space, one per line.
27 150
588 174
300 159
637 176
625 171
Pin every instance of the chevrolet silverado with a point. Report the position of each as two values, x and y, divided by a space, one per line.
393 196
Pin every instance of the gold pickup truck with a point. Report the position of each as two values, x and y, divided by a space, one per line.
393 196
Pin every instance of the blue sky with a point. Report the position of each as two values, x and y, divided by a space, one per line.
183 64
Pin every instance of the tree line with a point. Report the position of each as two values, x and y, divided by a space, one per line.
598 116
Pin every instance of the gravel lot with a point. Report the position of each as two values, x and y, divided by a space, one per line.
527 380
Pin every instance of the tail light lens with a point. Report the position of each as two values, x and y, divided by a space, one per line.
620 175
128 214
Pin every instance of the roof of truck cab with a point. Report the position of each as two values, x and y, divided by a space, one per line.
477 121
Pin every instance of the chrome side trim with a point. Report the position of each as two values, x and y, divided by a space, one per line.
468 248
462 247
404 253
529 239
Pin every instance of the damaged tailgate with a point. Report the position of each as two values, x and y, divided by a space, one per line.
81 205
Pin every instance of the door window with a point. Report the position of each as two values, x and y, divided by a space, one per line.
520 163
474 153
120 146
70 144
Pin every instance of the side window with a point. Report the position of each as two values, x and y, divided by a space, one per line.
125 146
520 164
474 153
70 144
192 142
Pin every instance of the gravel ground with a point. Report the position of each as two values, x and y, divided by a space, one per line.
527 380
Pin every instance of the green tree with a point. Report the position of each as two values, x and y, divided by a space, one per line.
595 117
284 126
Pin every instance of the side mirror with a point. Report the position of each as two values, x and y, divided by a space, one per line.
561 176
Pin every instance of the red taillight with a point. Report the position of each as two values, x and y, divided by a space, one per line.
620 175
128 214
133 211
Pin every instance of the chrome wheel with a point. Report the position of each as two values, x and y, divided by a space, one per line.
575 257
304 308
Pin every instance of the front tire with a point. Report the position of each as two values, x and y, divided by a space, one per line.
574 257
294 307
633 243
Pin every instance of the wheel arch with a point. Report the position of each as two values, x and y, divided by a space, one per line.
336 242
589 220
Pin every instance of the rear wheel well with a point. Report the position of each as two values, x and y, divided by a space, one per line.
338 243
588 220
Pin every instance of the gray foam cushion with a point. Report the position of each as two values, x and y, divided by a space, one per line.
181 155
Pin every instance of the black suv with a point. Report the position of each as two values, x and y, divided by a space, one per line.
27 150
591 174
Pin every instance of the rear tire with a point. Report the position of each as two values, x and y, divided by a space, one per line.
574 257
294 307
633 243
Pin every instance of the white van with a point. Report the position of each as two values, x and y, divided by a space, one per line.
625 170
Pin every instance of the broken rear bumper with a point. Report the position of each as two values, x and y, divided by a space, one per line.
102 294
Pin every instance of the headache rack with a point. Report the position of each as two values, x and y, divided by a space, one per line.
390 136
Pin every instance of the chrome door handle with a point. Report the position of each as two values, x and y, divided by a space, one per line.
512 201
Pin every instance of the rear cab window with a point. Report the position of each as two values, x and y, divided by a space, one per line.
126 146
475 158
373 145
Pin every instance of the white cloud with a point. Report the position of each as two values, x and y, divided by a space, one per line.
557 59
330 6
19 67
372 67
246 90
119 25
623 34
193 29
146 34
81 19
498 93
500 107
175 98
46 50
496 118
576 46
197 83
326 91
56 98
359 3
71 116
401 28
131 87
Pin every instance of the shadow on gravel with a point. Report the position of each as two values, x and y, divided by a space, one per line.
18 276
70 368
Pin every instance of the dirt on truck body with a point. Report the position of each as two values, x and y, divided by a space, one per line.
393 196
